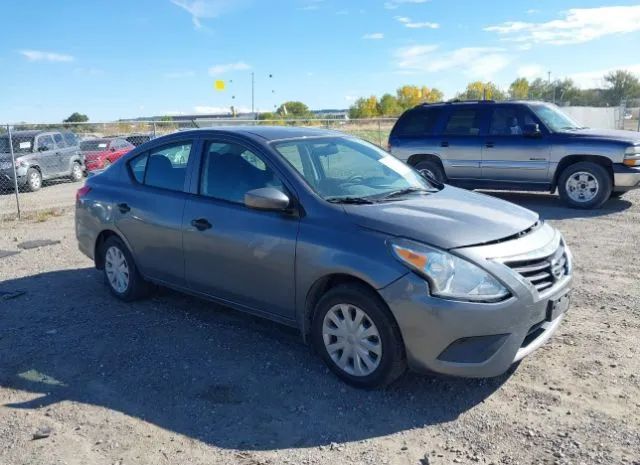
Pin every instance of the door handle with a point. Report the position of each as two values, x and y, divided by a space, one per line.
124 208
201 224
489 145
444 143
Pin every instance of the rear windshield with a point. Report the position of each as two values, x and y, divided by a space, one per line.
20 144
417 122
94 144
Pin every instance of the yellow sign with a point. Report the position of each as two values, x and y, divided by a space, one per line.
218 85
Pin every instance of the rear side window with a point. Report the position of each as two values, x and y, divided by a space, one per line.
164 167
59 141
70 139
417 123
463 122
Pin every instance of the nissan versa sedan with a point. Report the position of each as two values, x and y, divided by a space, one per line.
379 267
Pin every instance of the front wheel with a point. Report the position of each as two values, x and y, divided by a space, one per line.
585 185
34 180
356 336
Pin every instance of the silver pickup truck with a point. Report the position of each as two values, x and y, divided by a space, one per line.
518 146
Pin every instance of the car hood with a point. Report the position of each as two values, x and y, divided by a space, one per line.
618 135
447 219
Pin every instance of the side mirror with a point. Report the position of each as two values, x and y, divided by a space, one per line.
266 198
531 130
43 148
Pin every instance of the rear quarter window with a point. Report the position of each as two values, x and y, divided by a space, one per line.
417 123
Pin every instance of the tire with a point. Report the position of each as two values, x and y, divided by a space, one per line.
433 168
134 286
587 181
76 172
617 194
34 180
378 370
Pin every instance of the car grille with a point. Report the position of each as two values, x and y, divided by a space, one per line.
543 273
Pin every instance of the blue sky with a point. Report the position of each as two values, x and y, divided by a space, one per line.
126 58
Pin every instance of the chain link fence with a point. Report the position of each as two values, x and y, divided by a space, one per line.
42 165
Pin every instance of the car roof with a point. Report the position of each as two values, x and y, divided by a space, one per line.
268 133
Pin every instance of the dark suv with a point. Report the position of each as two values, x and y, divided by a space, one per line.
518 146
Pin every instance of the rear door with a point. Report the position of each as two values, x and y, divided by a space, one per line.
63 153
510 156
149 210
461 142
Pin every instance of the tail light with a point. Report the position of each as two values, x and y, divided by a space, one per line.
83 191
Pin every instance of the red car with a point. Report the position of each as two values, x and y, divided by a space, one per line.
99 154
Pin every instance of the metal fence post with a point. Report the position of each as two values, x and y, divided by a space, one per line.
380 133
154 129
15 173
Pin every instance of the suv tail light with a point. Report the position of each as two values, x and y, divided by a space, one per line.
84 190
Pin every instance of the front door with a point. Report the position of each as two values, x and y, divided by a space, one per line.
47 159
232 252
510 156
461 144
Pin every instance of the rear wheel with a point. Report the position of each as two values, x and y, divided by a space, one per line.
432 169
585 185
76 172
356 336
120 271
34 180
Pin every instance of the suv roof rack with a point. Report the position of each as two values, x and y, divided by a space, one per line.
453 101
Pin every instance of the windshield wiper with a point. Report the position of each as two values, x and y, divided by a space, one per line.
408 190
351 200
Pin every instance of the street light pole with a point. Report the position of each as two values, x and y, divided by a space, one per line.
253 113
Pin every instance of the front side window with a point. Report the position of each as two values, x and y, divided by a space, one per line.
463 122
341 167
509 121
164 167
230 170
45 143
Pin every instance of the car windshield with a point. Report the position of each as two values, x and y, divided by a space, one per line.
21 144
346 169
97 144
554 119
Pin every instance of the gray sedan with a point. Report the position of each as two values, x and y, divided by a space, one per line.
378 267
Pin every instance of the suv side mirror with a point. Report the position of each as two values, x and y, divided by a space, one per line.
531 130
266 198
43 148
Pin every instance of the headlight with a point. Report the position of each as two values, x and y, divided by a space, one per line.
449 277
632 156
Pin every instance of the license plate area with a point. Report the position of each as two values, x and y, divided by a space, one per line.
557 307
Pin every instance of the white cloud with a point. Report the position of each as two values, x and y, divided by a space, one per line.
531 71
416 24
394 4
591 79
578 25
179 74
374 36
204 9
475 62
225 68
39 55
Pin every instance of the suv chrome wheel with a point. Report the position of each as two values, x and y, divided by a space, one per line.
76 172
582 186
352 340
117 269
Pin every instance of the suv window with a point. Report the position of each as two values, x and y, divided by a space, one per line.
59 141
509 121
416 123
70 138
230 170
45 142
463 122
164 167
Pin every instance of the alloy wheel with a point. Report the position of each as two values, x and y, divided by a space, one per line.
582 186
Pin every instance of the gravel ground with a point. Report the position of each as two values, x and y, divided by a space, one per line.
177 380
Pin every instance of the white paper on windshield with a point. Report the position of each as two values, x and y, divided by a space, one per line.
25 145
102 146
396 165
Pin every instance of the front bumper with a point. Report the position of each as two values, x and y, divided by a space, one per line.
625 177
474 339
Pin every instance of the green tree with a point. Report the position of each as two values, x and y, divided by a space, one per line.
294 109
389 105
519 89
621 85
76 118
479 90
365 108
431 95
539 89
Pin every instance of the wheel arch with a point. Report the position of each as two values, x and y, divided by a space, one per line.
414 159
569 160
100 240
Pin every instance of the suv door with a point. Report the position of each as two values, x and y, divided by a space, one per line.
510 156
461 141
46 157
63 154
148 211
232 252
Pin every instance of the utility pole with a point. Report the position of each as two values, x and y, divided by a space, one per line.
253 95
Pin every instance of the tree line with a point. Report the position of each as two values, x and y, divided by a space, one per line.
618 86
